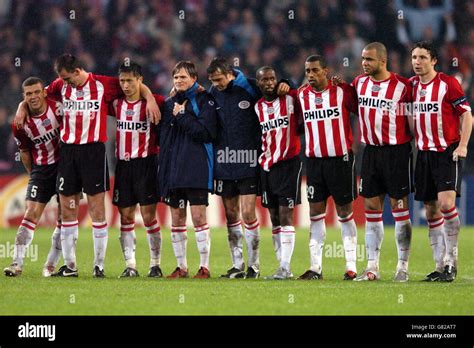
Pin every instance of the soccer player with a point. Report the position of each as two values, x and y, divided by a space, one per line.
326 112
135 174
83 163
387 159
280 164
237 146
186 164
38 142
443 125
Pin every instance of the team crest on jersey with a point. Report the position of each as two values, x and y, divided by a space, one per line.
80 94
244 104
376 88
318 101
129 113
422 92
47 122
271 110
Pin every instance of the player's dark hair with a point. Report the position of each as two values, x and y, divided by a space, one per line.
67 62
219 64
32 80
263 69
317 58
188 66
131 67
427 45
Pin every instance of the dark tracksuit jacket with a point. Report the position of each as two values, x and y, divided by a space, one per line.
238 127
186 152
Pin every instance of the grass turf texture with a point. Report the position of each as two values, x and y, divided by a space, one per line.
31 294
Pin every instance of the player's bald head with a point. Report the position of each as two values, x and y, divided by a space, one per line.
379 48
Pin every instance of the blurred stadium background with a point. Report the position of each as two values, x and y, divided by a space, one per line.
280 33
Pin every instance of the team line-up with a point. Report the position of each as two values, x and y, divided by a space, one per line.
167 151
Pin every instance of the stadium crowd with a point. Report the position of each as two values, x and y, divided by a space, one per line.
280 33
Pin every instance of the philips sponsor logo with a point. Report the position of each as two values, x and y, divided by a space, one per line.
322 114
47 137
377 103
425 107
37 331
237 156
132 126
83 105
280 122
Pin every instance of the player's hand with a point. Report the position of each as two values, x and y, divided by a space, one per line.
22 116
173 92
337 80
179 108
283 89
460 153
200 89
153 111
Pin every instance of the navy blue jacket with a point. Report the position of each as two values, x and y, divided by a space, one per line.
238 127
186 152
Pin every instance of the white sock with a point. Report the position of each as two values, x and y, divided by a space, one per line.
349 240
276 241
437 242
317 236
179 238
153 235
128 242
69 234
452 226
55 251
23 239
203 240
287 236
234 235
403 234
252 236
373 238
101 235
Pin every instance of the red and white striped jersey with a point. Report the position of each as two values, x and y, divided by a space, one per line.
136 135
437 107
40 135
326 116
383 106
85 108
278 122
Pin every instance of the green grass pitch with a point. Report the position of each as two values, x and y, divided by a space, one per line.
31 294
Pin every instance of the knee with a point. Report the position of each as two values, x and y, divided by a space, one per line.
178 217
344 211
126 219
446 205
275 219
248 214
232 215
199 218
148 218
32 214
